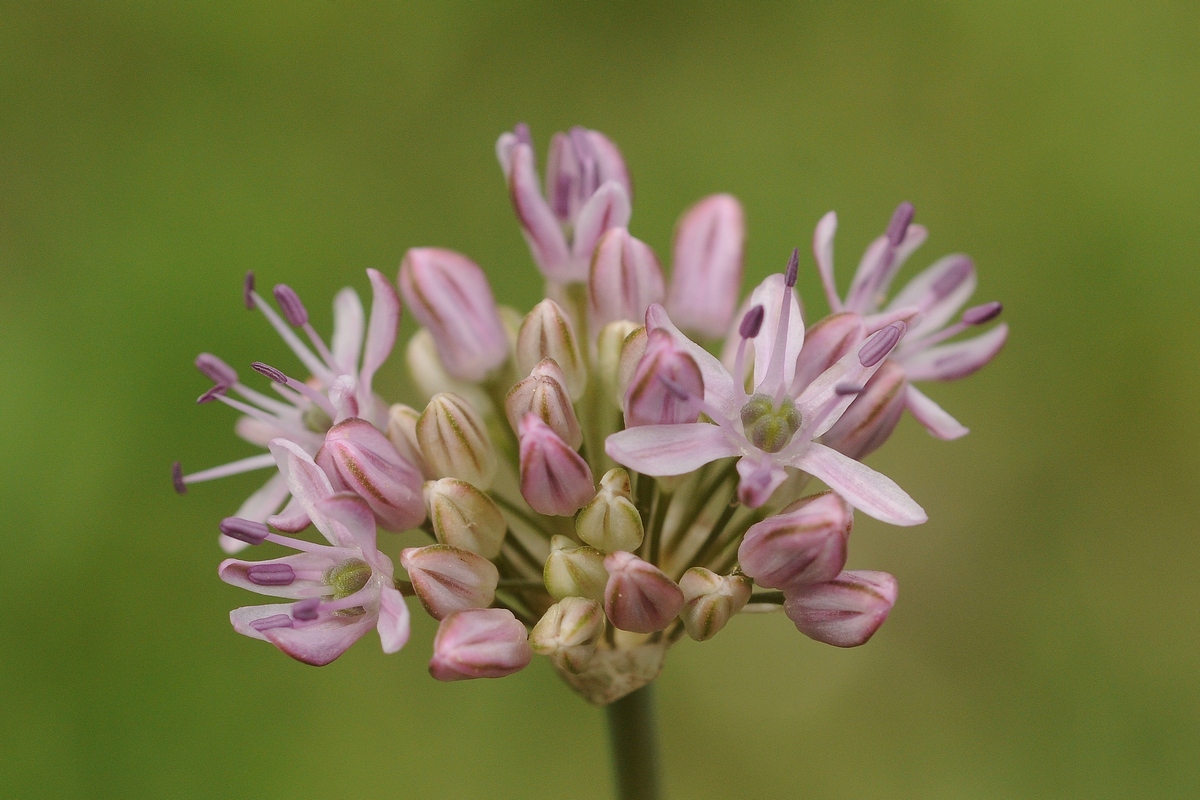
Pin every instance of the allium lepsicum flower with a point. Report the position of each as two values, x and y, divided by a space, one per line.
479 643
454 441
555 480
845 611
465 517
568 633
711 600
572 571
706 273
547 332
654 396
544 393
611 521
448 579
639 596
803 544
359 458
449 294
625 279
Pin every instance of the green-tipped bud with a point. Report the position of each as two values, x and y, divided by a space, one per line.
545 394
574 571
568 633
611 521
609 344
402 432
711 600
454 441
465 517
547 332
632 350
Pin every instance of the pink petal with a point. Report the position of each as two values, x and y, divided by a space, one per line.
719 388
948 362
381 332
862 487
821 397
541 227
609 161
670 449
844 612
258 507
320 643
292 519
310 569
931 415
348 320
608 208
769 294
938 300
309 484
354 515
823 252
393 625
758 480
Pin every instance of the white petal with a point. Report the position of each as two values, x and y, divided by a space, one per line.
347 330
719 388
607 208
918 292
258 506
932 416
948 362
769 294
670 449
309 484
823 252
871 492
393 623
381 332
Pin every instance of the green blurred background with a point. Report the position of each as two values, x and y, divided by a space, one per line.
1045 644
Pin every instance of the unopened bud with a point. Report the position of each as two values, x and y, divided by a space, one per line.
572 571
711 600
479 643
449 295
448 579
639 597
358 457
868 422
465 517
431 377
609 344
611 521
402 433
544 393
803 544
632 350
568 633
624 280
845 611
547 332
664 386
555 480
454 441
706 273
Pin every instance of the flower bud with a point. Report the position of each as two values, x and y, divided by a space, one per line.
711 600
632 350
825 343
479 643
454 441
465 517
625 278
611 521
448 579
578 164
431 377
868 422
449 295
802 545
706 272
568 633
547 332
542 230
402 433
544 393
572 571
639 597
845 611
649 400
555 480
358 457
609 345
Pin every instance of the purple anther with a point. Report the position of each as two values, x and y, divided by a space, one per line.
271 574
270 372
752 322
177 478
212 394
216 370
291 305
902 217
952 278
987 312
674 387
523 135
244 530
248 290
793 268
274 621
878 346
847 388
306 610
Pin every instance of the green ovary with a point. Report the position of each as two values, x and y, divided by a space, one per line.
767 426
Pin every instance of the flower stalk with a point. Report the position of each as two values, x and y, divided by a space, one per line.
633 737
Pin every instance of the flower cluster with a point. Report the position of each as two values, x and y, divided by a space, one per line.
594 482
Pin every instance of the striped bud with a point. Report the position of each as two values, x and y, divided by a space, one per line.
802 545
639 597
555 480
610 521
868 422
359 458
711 600
454 441
609 345
547 332
544 393
465 517
844 612
665 372
479 643
706 273
572 571
625 278
568 633
402 433
448 579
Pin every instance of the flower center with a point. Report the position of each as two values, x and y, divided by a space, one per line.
346 579
770 427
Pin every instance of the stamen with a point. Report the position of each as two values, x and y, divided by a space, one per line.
275 621
177 478
306 610
215 393
216 370
271 575
844 389
879 345
902 217
244 530
291 304
269 372
980 314
523 135
752 322
793 268
233 468
309 359
312 394
773 382
248 291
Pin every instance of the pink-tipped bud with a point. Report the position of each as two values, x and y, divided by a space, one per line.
555 480
579 163
547 332
448 579
454 441
610 344
664 386
568 633
359 458
479 643
449 295
803 544
711 600
624 280
545 394
573 571
871 418
824 344
845 611
639 597
465 517
706 275
402 433
611 521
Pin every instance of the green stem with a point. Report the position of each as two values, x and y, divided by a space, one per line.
633 733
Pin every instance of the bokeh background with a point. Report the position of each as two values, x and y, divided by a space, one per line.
1045 644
